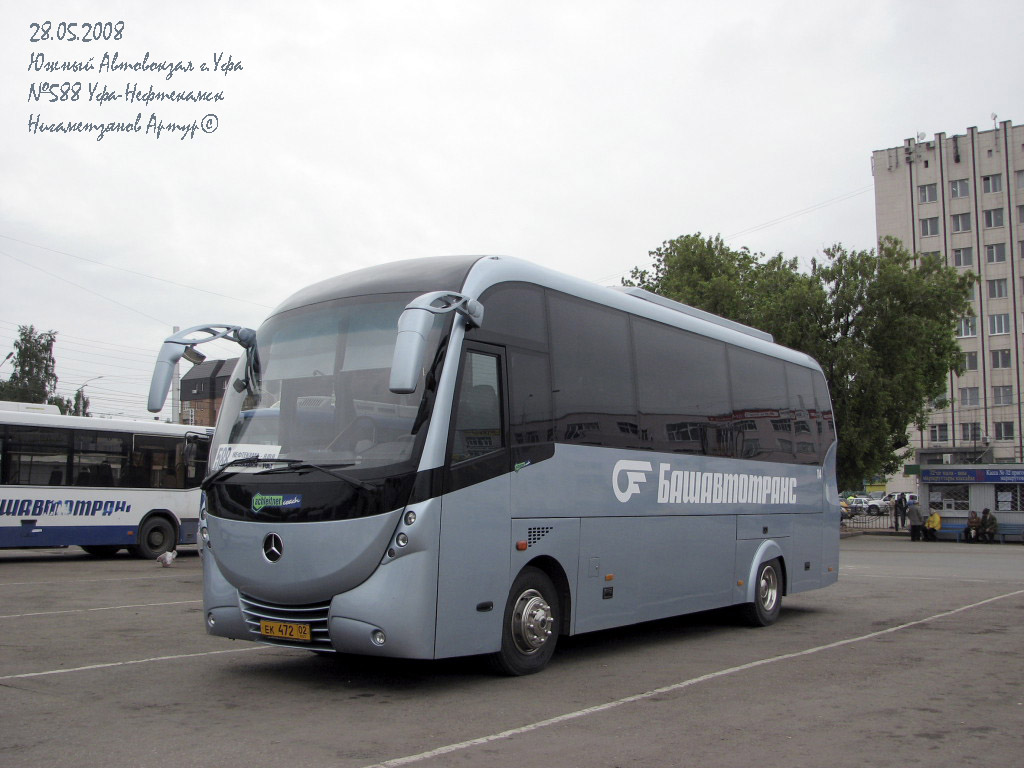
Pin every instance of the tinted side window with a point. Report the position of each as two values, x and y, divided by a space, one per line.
478 412
803 413
761 406
35 456
681 387
513 312
101 458
592 373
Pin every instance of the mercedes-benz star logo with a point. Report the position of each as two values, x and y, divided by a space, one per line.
273 547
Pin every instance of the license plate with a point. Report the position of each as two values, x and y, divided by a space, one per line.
285 631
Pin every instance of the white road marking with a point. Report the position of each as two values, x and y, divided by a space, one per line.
89 610
133 661
670 688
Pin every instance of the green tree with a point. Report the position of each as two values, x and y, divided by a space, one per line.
882 324
33 378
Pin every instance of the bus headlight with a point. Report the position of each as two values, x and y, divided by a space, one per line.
204 534
410 517
402 540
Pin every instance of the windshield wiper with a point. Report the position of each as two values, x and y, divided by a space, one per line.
297 465
245 461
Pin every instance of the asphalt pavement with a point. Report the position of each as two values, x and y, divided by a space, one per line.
913 658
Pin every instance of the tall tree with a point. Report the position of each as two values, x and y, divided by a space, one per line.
882 325
33 377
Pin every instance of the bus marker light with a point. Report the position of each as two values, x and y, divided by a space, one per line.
521 546
609 577
739 583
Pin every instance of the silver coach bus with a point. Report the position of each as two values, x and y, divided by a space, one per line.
474 455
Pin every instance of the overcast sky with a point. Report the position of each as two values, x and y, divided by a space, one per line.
577 134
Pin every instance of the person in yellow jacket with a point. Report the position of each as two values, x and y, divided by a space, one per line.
932 526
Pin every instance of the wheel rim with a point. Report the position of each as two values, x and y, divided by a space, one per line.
532 622
156 537
768 589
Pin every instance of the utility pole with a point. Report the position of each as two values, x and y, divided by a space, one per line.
175 390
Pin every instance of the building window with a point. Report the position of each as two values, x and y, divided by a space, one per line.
998 324
993 183
970 361
959 188
1004 430
969 396
926 193
997 288
993 218
963 257
970 430
938 433
930 227
1020 214
1020 179
1002 395
1000 358
968 326
961 222
995 253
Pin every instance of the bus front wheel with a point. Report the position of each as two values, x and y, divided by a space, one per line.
530 625
156 536
767 596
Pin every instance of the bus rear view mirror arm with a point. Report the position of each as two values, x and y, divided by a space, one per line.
183 344
413 327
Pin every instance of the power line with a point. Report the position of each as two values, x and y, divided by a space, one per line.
134 272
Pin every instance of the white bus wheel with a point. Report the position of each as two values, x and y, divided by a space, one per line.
767 596
530 625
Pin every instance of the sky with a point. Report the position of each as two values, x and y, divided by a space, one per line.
581 135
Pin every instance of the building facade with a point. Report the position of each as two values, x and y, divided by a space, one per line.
962 197
202 390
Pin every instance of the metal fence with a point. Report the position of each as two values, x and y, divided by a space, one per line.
867 522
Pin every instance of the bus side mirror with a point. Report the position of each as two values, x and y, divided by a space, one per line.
163 371
410 346
414 325
182 344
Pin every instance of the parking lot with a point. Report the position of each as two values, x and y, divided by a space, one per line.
914 658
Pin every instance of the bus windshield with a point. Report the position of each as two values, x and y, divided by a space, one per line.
317 391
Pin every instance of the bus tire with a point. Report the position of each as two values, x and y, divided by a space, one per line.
767 596
530 624
156 536
101 550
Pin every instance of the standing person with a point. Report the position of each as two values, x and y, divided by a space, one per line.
899 512
932 526
971 529
914 513
988 527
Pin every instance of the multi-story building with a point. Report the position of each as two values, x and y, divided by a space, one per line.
963 197
202 390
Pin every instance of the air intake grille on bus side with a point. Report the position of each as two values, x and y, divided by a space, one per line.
314 614
533 535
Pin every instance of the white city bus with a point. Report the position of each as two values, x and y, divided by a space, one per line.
100 484
458 456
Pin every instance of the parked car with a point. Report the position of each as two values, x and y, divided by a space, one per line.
890 499
862 505
845 512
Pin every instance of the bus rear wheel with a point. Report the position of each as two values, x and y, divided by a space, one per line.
530 625
156 536
767 596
